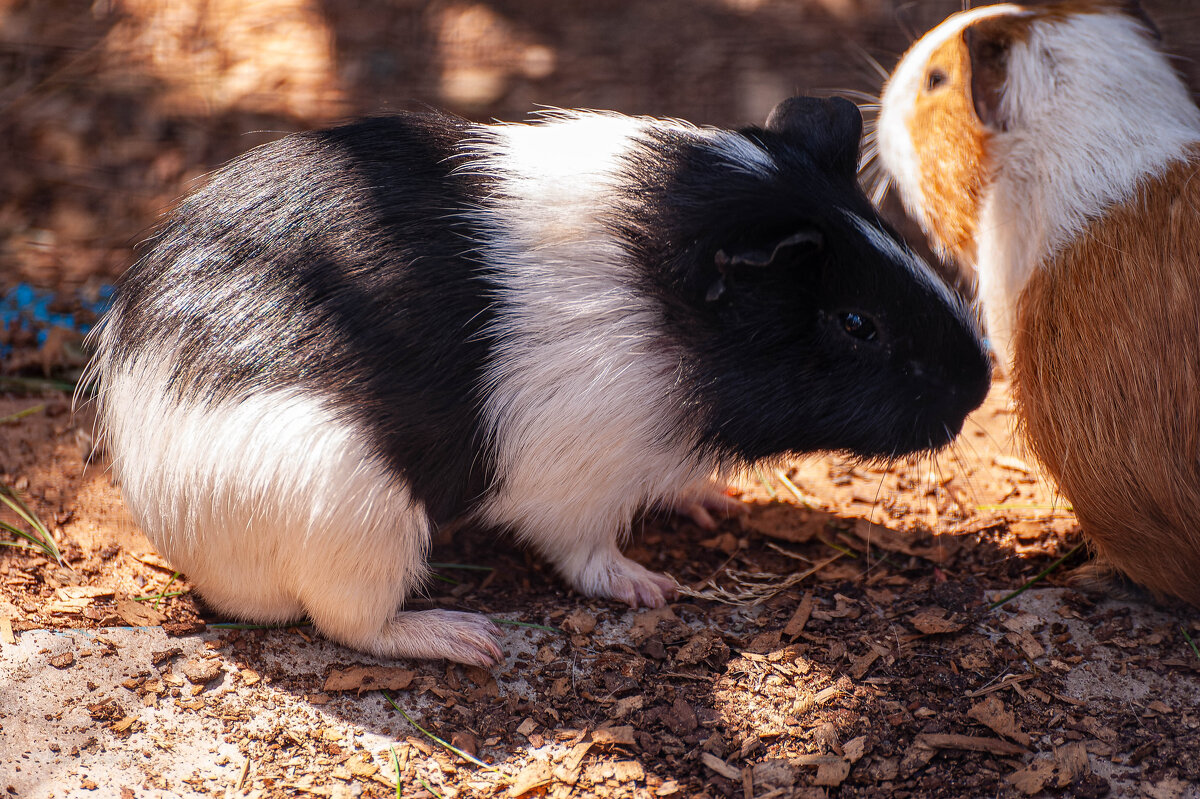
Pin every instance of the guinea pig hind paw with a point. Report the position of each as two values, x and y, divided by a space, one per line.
704 508
622 579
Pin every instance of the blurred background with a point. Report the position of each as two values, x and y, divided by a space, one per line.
110 109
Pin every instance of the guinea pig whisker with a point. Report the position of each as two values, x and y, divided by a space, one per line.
869 100
871 60
880 190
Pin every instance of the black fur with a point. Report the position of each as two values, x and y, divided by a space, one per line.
770 367
334 262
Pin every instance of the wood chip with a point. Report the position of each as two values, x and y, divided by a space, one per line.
124 724
613 736
361 766
369 678
63 660
832 773
721 767
970 743
152 559
6 631
1012 464
799 619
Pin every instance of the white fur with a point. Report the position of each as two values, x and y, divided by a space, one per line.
1091 110
274 509
577 333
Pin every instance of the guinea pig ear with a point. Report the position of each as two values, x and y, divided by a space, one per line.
1134 9
828 128
759 255
987 44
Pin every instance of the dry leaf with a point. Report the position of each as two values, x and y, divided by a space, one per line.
533 776
369 678
645 623
138 614
970 743
203 671
992 714
934 621
579 622
613 736
152 559
786 522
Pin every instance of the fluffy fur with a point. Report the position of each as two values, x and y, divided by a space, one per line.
353 335
1076 181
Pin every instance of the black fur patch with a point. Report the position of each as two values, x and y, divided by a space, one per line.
337 263
768 365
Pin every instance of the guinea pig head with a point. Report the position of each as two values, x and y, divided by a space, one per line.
807 324
965 83
937 114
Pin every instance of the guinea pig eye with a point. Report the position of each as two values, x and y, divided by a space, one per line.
935 78
858 326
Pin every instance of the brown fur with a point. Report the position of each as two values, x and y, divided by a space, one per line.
950 144
1107 380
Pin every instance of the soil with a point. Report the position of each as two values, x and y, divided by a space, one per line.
844 639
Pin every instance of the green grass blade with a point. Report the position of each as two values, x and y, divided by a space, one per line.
531 625
396 764
428 787
1190 641
1037 578
464 755
40 536
19 415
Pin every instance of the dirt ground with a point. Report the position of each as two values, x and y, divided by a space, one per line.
841 640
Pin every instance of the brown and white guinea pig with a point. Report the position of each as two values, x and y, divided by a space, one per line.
353 335
1054 149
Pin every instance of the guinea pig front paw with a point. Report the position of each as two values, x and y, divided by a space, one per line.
617 577
469 638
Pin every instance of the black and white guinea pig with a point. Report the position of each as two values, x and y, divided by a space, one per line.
352 335
1055 149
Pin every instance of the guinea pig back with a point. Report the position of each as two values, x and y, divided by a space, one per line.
352 335
1107 380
